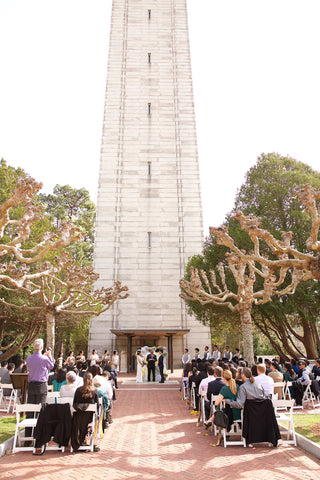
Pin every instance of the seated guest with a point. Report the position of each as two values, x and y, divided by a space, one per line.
316 369
199 372
229 390
277 376
87 394
214 388
19 366
106 402
69 389
289 376
264 380
60 380
103 381
304 377
268 366
53 374
5 377
238 378
294 365
203 387
249 390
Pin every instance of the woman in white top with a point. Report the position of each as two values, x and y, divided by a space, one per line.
69 389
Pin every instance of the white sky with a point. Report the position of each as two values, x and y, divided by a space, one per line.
256 80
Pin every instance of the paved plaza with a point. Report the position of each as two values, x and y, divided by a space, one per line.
153 437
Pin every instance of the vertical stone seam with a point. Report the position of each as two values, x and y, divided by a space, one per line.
117 233
178 157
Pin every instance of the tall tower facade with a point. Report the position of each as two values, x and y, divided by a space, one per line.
149 215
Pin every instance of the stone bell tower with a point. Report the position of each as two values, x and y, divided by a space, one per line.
149 216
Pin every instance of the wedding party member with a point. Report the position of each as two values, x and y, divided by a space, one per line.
151 362
227 354
71 359
94 358
185 357
216 354
206 355
116 360
161 365
139 377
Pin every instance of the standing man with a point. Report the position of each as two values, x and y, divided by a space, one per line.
206 355
151 361
216 354
38 369
185 357
227 354
196 353
160 365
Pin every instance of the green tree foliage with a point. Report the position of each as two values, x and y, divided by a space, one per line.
289 322
269 193
74 205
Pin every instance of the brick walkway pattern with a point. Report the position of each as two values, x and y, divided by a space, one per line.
153 437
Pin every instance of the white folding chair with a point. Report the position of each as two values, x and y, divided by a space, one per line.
8 400
184 388
212 409
309 396
202 413
92 426
52 397
285 418
193 396
65 400
24 423
281 386
235 431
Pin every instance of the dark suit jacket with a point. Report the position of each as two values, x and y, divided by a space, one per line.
160 361
214 387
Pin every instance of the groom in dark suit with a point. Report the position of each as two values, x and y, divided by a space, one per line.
151 360
160 365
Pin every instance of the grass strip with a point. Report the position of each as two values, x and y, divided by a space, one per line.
308 425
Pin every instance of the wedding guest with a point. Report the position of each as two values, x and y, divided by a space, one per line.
70 387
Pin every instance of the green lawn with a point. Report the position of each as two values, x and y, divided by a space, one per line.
7 428
308 425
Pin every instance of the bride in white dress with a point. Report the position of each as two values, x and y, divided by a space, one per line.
139 378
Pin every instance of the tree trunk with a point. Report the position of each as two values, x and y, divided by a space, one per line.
308 339
246 323
50 319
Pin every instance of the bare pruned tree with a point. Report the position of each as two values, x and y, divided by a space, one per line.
49 285
281 270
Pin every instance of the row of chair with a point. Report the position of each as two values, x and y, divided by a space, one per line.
234 436
23 423
9 399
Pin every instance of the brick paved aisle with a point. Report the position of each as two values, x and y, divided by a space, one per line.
153 437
